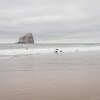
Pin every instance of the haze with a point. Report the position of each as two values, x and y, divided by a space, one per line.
52 21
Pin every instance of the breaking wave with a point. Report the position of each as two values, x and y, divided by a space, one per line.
5 52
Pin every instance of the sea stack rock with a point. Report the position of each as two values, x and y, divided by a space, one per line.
27 39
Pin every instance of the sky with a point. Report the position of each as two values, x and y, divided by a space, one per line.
50 21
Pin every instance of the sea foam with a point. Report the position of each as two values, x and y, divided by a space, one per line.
45 50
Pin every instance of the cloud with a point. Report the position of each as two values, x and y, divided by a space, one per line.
51 19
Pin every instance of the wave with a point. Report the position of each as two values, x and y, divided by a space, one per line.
5 52
8 57
24 51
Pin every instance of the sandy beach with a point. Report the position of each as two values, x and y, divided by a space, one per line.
66 76
49 49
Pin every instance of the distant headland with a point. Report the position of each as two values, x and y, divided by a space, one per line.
26 39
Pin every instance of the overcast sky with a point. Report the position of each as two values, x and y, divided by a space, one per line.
50 20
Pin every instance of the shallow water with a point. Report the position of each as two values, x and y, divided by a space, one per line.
54 61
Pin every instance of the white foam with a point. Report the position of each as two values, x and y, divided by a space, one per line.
24 51
5 52
5 58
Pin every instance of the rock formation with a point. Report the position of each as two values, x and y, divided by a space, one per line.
27 38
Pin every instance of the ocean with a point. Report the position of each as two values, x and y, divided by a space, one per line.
14 57
27 49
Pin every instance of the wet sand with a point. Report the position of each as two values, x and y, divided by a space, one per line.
76 78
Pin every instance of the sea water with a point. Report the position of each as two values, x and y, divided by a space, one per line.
29 57
27 49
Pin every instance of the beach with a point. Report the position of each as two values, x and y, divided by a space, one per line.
54 76
49 49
